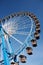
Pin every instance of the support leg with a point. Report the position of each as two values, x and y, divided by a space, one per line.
6 59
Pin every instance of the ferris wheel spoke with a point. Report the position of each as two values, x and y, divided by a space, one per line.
22 33
23 23
23 28
13 37
16 39
19 27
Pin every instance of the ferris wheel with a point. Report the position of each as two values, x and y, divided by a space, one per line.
18 31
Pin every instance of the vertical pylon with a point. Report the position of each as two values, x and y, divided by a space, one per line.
5 55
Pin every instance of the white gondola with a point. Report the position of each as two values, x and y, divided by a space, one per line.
14 63
37 24
29 50
34 17
36 34
34 43
12 15
7 17
22 58
3 20
38 29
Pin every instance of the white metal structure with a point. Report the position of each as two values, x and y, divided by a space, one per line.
16 32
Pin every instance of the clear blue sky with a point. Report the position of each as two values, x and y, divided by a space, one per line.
36 6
